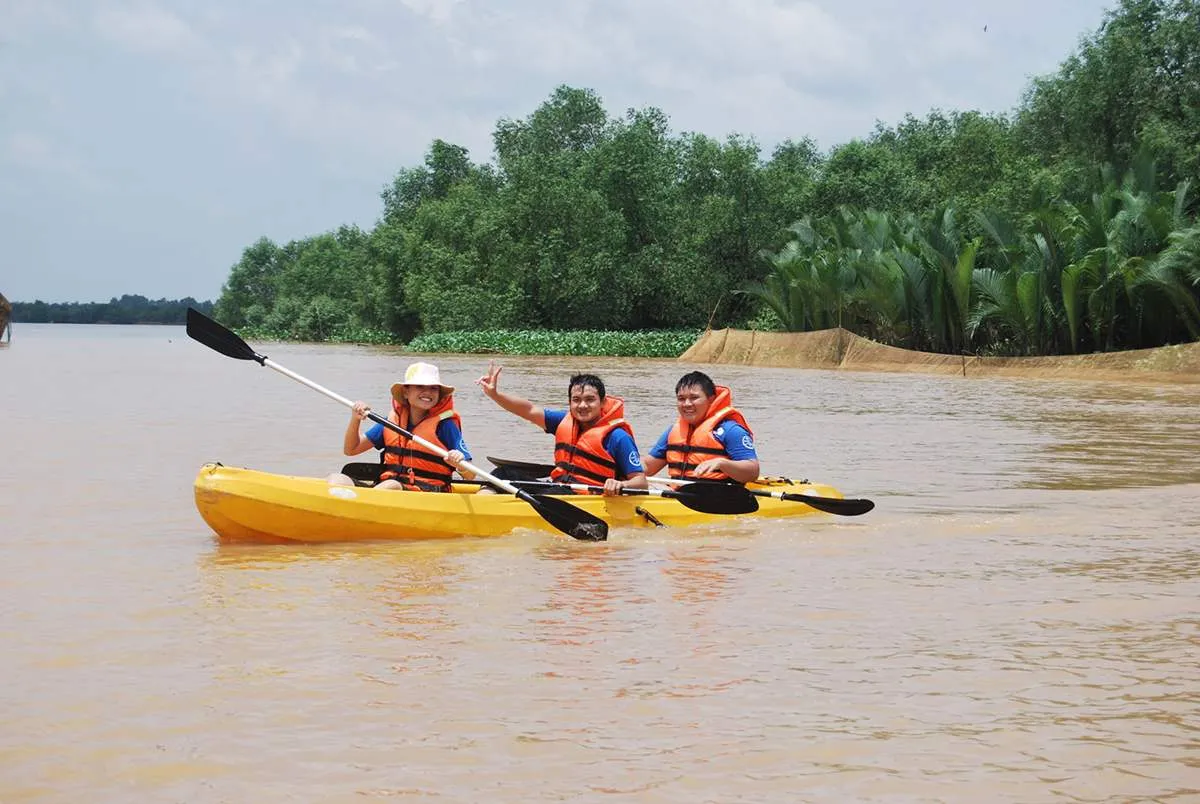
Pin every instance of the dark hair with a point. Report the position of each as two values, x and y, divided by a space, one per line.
584 380
697 379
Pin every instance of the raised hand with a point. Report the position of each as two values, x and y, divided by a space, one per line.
490 382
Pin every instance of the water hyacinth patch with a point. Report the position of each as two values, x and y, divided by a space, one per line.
339 334
592 343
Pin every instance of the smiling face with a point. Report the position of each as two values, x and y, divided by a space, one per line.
422 397
585 404
692 404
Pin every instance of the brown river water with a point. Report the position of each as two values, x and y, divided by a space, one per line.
1017 621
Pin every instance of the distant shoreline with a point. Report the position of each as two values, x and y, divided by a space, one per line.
124 310
106 323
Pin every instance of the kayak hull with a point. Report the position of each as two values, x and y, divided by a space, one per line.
245 505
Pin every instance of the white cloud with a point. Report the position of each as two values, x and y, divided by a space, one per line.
352 50
146 27
374 76
439 11
30 152
263 74
28 149
767 35
21 16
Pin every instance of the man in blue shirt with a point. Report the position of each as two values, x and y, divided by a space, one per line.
606 456
711 439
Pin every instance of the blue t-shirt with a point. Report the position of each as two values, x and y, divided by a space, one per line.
619 444
736 440
448 432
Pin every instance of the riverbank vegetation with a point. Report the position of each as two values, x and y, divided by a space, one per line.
599 343
125 310
1069 225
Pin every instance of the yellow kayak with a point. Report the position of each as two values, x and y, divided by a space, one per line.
244 505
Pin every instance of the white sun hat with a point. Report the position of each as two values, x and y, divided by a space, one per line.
420 374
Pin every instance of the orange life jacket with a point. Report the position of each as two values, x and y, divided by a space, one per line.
418 469
581 457
687 447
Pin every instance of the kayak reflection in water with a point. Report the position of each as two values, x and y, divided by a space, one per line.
424 406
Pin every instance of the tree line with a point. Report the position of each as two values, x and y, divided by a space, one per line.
1069 225
125 310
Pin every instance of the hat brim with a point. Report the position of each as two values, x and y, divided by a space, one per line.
398 390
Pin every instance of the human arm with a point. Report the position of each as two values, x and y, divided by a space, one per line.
632 474
740 461
612 486
455 458
490 384
653 465
354 442
450 434
657 459
741 471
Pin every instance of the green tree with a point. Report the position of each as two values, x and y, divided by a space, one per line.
251 283
1134 83
445 166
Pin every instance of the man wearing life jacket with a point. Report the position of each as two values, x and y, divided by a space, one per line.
711 439
424 406
594 444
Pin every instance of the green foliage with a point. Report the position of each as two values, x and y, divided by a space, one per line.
866 175
1038 233
445 166
764 319
1118 271
251 283
341 334
556 342
1133 84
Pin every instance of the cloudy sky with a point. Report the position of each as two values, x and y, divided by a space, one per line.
145 143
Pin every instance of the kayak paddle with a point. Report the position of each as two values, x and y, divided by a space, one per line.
725 499
571 520
538 469
722 498
830 505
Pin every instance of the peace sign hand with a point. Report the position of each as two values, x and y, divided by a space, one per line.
490 382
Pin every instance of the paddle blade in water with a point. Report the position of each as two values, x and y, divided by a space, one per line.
571 520
589 531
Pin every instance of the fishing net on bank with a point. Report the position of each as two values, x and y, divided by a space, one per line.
842 349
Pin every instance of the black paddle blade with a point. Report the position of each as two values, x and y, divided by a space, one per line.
208 332
364 473
715 498
573 521
534 469
832 505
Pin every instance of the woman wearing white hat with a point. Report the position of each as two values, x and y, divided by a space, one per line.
424 406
